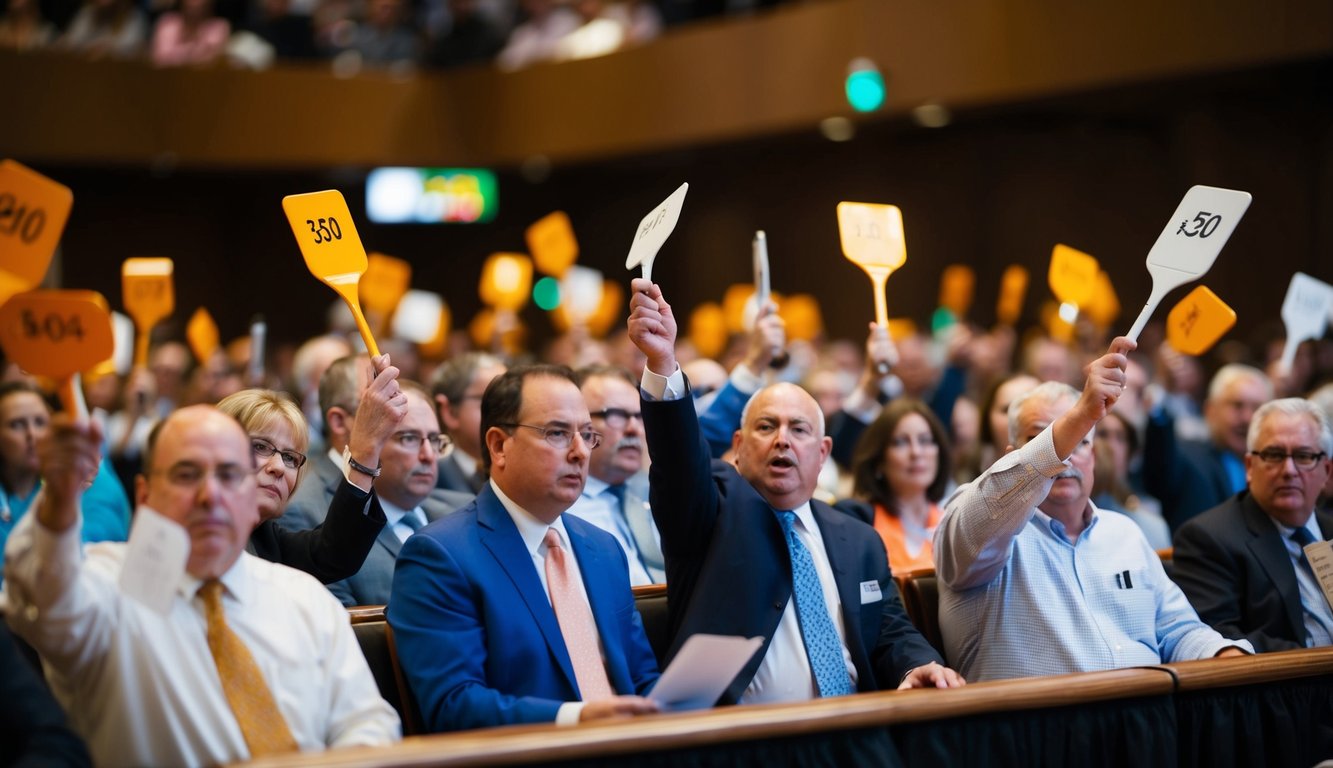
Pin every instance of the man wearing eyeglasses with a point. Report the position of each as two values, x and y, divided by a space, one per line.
511 611
405 485
1034 579
1243 563
615 497
247 658
458 386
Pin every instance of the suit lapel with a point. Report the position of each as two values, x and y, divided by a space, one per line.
389 540
1273 557
833 530
500 537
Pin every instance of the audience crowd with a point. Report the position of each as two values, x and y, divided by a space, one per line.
1044 481
354 35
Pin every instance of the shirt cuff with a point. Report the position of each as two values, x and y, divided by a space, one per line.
570 712
657 387
745 380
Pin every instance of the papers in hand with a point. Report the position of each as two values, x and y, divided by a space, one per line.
154 560
702 670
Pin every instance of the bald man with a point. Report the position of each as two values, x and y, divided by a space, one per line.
146 688
748 552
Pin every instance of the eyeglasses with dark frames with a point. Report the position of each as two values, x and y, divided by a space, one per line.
264 450
562 437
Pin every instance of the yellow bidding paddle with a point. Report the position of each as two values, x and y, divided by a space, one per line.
1013 288
202 333
1195 324
956 286
57 334
384 284
506 281
33 212
332 249
149 296
872 238
552 244
1073 276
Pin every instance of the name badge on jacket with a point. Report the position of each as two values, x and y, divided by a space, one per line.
870 592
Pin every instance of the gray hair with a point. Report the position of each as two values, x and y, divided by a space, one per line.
1047 392
1291 406
1233 372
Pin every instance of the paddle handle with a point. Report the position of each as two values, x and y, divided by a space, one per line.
1289 355
141 347
71 397
880 279
648 269
1155 298
360 318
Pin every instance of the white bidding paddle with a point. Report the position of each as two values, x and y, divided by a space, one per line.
1305 312
1189 244
653 231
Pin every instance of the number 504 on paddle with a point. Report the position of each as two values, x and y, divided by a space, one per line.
332 249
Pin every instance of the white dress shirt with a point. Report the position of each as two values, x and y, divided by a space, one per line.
784 674
142 688
394 515
1315 610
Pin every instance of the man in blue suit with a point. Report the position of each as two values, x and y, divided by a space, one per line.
472 603
748 552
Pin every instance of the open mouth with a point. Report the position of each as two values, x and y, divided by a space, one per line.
782 463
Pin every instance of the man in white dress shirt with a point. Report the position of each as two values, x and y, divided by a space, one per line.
145 688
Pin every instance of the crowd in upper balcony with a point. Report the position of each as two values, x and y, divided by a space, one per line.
398 35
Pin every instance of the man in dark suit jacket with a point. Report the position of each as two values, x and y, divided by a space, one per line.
1241 563
405 490
729 568
457 388
478 638
1189 476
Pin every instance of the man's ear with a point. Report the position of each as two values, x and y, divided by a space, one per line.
338 420
140 489
495 443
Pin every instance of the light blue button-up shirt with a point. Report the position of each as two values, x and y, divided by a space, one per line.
1018 599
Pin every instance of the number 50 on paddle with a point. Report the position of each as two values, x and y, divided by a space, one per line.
332 249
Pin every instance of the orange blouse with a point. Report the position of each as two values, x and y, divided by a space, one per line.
890 529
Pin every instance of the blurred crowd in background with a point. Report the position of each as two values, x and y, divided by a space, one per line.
354 35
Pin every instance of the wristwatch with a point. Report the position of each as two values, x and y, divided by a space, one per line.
358 466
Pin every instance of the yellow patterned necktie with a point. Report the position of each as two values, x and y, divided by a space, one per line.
251 701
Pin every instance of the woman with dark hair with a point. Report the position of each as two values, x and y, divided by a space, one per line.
25 418
901 470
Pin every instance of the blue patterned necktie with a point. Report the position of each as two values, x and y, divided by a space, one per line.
411 520
821 639
1303 537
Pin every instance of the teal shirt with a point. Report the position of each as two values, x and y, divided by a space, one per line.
106 510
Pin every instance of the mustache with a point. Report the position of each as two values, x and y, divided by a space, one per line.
1072 472
629 442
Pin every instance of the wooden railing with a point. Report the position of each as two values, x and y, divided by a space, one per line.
1057 699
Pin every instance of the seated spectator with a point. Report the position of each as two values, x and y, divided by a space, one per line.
1242 564
191 35
1189 476
598 33
292 36
106 28
534 40
901 466
1034 579
22 27
533 606
382 39
25 419
472 37
251 657
407 464
1116 488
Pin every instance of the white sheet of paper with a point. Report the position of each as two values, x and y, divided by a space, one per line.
154 560
1320 555
702 670
1305 312
654 229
